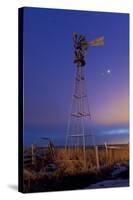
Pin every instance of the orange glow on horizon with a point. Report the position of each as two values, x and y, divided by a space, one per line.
115 112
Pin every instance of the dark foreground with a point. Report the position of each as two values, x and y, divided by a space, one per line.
88 180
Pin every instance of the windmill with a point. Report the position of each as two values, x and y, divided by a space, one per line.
79 135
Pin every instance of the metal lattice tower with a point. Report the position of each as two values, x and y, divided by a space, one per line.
79 134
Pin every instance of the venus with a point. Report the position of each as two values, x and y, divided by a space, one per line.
108 71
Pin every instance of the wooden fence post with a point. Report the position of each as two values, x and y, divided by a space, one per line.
106 152
97 158
33 154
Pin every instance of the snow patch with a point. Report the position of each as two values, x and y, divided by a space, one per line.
110 183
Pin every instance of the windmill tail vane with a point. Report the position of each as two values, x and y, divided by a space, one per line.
97 42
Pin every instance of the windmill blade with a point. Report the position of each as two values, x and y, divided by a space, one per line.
97 42
81 38
75 52
75 37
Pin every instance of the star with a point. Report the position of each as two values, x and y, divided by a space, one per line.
108 71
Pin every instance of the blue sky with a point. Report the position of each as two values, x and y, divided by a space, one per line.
49 69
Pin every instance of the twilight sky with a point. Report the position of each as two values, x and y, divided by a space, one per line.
49 69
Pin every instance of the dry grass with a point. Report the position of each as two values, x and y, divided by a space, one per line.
71 161
71 172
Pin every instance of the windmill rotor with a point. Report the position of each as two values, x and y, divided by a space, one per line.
81 46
